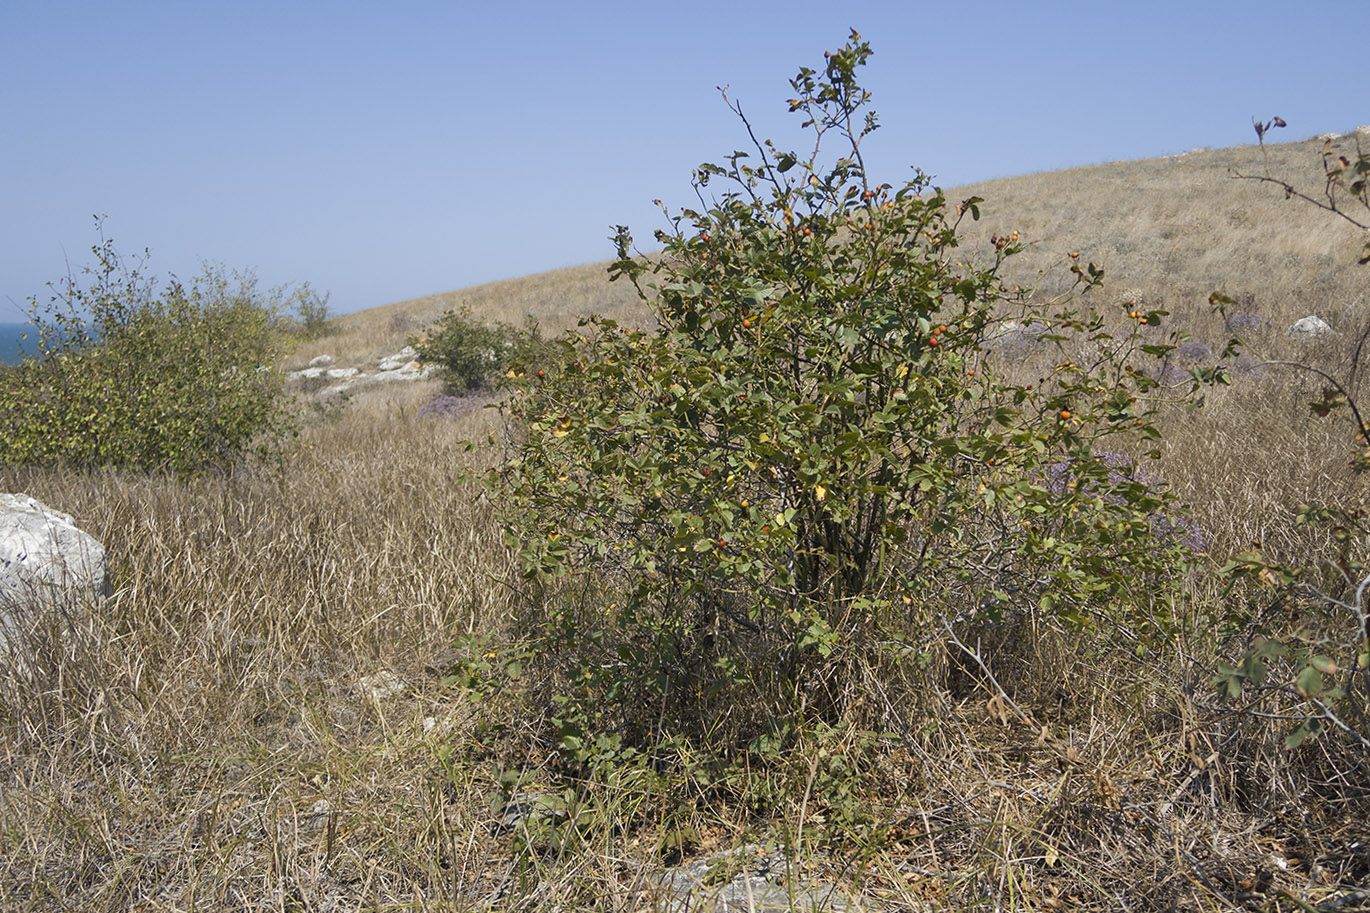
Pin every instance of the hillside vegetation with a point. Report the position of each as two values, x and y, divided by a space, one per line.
323 684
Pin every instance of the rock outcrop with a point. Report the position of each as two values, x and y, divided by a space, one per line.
47 564
403 366
1310 327
1014 338
748 879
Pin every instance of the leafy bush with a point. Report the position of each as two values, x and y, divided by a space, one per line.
814 460
130 375
308 313
1065 479
471 355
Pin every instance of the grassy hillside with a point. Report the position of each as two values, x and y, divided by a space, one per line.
1167 231
555 301
1170 231
274 711
1173 229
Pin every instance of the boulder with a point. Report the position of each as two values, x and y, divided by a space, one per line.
47 563
405 358
409 372
381 686
1310 327
1012 337
321 361
751 879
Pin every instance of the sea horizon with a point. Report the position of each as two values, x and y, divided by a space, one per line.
12 341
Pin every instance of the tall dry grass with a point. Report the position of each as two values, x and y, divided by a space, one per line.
210 738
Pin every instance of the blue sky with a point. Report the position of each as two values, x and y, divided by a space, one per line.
382 151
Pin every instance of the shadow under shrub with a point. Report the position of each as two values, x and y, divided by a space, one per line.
130 375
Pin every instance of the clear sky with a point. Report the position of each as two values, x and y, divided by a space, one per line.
382 151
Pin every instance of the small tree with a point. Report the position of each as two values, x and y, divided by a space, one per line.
470 355
130 375
814 456
308 311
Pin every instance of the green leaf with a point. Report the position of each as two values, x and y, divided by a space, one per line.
1308 728
1324 664
1309 682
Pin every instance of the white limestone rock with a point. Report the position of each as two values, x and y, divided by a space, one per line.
381 686
405 358
47 564
1310 327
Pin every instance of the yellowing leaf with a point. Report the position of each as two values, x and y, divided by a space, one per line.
820 492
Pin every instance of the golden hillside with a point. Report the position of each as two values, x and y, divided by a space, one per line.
1169 230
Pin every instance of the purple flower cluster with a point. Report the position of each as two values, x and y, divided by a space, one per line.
446 406
1063 476
1245 320
1067 477
1175 367
1192 352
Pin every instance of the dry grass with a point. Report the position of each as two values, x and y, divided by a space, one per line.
1167 233
1174 229
207 740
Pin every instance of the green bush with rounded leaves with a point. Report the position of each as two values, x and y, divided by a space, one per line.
471 356
815 456
132 375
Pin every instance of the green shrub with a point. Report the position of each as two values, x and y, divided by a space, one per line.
307 312
131 375
814 461
471 355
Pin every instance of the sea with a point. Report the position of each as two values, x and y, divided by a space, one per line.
12 346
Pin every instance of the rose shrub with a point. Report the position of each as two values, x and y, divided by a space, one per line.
812 459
